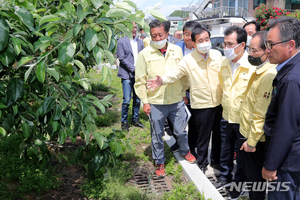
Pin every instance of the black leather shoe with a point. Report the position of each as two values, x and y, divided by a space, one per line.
235 194
215 166
203 169
221 184
168 131
125 126
174 147
137 123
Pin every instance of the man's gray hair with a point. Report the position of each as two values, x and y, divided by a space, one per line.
289 28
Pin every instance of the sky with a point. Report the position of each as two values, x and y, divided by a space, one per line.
166 6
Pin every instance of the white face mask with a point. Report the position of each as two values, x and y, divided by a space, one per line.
229 53
204 47
159 44
249 38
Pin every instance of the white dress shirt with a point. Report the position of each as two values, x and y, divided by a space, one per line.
134 46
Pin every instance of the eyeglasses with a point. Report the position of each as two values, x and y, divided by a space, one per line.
270 46
229 45
252 51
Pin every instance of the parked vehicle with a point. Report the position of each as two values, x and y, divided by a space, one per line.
216 42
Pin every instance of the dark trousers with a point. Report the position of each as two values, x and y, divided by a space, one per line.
289 186
230 135
192 136
204 119
168 125
252 165
127 86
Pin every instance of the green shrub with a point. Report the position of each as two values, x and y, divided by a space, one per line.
107 119
20 176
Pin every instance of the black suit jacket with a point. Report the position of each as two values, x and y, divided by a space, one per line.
282 124
125 55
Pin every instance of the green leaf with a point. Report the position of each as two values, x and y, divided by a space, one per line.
118 148
27 73
101 36
117 13
47 105
98 159
2 132
158 15
55 125
82 14
93 110
15 109
98 55
27 5
14 89
62 136
124 29
9 121
136 18
110 57
132 4
99 105
53 73
62 13
80 65
76 29
2 106
66 52
45 39
25 16
49 18
7 56
124 5
24 60
76 123
41 71
107 97
69 7
112 44
97 3
63 104
108 32
86 86
104 73
4 32
26 130
101 140
84 107
91 38
57 112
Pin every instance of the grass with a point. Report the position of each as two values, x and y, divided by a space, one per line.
115 187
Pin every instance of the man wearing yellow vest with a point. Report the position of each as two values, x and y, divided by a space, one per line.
234 75
167 102
201 68
254 111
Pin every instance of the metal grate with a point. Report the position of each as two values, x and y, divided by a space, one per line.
213 179
152 183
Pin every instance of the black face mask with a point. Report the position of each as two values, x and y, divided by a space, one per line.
256 61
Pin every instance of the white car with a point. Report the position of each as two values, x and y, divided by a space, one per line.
216 42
